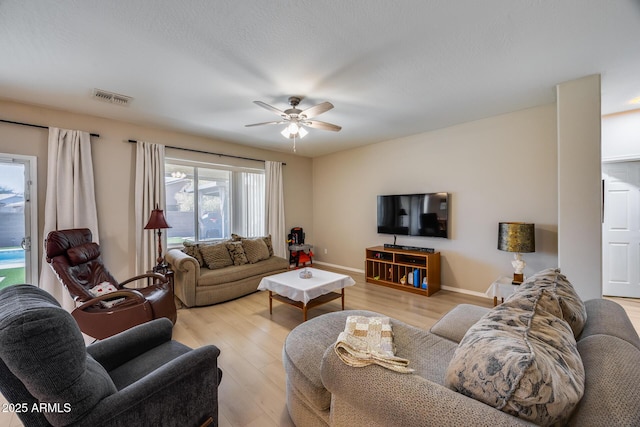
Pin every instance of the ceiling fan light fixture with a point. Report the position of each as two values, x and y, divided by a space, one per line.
297 118
294 130
293 127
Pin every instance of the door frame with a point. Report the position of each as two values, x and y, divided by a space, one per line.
610 160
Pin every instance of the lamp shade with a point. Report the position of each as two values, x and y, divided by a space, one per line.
516 237
156 220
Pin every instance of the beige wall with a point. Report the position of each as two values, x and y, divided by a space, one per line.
580 184
114 161
502 168
621 136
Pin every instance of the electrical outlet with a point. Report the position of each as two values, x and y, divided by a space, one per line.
325 251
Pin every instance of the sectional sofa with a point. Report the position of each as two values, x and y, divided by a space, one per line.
543 357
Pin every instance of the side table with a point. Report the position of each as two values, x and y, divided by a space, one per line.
166 272
501 288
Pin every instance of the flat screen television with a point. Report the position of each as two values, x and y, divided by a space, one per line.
414 214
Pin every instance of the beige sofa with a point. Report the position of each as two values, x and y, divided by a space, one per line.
322 390
198 285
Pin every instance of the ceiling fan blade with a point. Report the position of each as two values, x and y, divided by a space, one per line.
265 123
316 124
270 108
316 110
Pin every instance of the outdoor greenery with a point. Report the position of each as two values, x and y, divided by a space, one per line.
12 276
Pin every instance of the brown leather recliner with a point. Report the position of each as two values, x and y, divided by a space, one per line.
76 260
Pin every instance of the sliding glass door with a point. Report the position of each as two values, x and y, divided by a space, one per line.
18 220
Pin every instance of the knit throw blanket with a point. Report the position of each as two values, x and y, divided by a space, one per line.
369 340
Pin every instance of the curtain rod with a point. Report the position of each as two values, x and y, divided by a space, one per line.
37 126
133 141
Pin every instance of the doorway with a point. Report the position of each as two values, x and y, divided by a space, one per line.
18 220
621 229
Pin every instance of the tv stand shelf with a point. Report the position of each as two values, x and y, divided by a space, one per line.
386 267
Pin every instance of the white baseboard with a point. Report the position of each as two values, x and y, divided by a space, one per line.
465 291
445 288
341 267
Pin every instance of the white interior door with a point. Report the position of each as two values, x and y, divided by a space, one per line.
18 220
621 229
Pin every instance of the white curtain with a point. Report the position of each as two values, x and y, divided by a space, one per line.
70 200
275 208
149 193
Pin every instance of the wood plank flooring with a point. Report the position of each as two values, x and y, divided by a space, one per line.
252 392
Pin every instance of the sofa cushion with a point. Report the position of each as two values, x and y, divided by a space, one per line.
457 322
239 272
573 309
521 358
303 350
255 249
192 250
236 250
216 256
609 318
611 368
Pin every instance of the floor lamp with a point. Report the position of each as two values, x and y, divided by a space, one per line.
158 222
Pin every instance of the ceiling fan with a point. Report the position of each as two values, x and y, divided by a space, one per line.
297 118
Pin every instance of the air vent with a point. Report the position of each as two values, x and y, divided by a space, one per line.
113 98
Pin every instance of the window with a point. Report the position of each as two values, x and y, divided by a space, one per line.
209 202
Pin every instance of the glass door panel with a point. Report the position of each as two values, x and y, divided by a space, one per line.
18 264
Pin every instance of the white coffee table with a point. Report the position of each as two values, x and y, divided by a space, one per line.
304 294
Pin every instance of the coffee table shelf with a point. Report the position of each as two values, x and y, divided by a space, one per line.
322 299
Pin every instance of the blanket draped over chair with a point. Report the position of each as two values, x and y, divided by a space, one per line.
369 340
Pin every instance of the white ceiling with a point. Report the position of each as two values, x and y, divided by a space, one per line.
391 68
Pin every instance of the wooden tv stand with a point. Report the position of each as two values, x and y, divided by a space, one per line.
386 267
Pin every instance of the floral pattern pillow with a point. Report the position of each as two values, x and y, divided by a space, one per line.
236 251
267 241
193 250
573 309
521 358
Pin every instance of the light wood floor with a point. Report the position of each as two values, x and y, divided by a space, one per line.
252 392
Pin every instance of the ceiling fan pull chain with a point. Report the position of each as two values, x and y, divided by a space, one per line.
294 142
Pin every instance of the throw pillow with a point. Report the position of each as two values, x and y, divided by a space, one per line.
573 309
192 249
216 256
267 241
521 358
105 288
255 249
237 253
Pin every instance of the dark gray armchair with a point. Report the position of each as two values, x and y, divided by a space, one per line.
139 377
